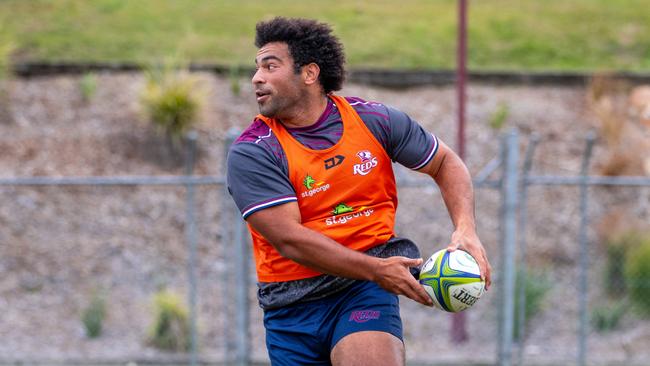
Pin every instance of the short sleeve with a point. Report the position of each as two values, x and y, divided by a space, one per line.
408 142
255 180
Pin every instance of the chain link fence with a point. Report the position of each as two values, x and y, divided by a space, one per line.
564 292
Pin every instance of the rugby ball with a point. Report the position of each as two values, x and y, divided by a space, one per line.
452 279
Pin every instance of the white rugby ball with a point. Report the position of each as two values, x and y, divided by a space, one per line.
452 279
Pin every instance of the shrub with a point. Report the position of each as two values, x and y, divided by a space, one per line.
6 49
93 316
624 145
607 317
637 273
617 248
234 74
536 286
171 100
88 86
500 116
171 328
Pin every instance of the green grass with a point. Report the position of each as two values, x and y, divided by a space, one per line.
503 34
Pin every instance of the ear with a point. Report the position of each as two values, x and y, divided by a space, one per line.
310 73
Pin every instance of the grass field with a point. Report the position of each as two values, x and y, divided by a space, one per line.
503 34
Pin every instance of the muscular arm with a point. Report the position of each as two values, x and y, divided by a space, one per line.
281 226
451 175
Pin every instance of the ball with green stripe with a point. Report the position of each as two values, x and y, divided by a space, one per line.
452 279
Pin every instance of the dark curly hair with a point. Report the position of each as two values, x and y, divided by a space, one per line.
309 41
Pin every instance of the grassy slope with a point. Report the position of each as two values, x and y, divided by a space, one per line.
503 34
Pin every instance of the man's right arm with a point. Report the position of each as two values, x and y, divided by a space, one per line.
281 226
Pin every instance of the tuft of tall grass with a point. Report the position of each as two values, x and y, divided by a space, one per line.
94 314
88 86
617 250
608 317
234 75
536 285
637 274
499 117
171 328
171 99
625 147
6 49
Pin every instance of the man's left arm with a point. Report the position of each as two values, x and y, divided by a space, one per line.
455 183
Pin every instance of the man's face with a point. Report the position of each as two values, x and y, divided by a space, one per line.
277 87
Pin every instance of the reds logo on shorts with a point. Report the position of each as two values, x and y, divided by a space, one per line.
367 163
362 316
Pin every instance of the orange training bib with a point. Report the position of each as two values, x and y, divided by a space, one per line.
346 192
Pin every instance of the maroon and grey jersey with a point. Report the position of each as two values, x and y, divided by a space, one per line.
258 176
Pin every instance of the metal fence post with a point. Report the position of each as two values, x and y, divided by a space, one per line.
509 232
242 317
242 280
523 219
584 252
190 233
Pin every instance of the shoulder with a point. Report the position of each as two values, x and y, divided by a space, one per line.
368 109
257 137
256 131
376 118
377 114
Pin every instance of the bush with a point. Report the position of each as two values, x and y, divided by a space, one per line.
637 273
88 86
614 274
93 316
536 286
499 117
234 74
6 49
607 317
171 100
171 328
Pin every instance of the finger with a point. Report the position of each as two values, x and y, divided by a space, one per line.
453 246
483 265
418 293
426 301
412 262
488 280
485 271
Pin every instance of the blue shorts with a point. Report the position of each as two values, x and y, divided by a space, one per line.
306 333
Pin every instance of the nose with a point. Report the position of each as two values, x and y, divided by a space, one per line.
257 77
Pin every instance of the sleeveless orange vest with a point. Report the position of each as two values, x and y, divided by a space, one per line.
346 192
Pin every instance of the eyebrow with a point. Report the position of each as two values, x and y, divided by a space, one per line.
269 57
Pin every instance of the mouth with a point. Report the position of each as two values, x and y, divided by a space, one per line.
262 95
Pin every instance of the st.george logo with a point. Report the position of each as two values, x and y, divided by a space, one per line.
343 213
313 187
367 163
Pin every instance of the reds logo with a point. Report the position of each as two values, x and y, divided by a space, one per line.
367 163
364 155
362 316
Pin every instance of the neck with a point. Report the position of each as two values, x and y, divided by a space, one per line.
307 113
